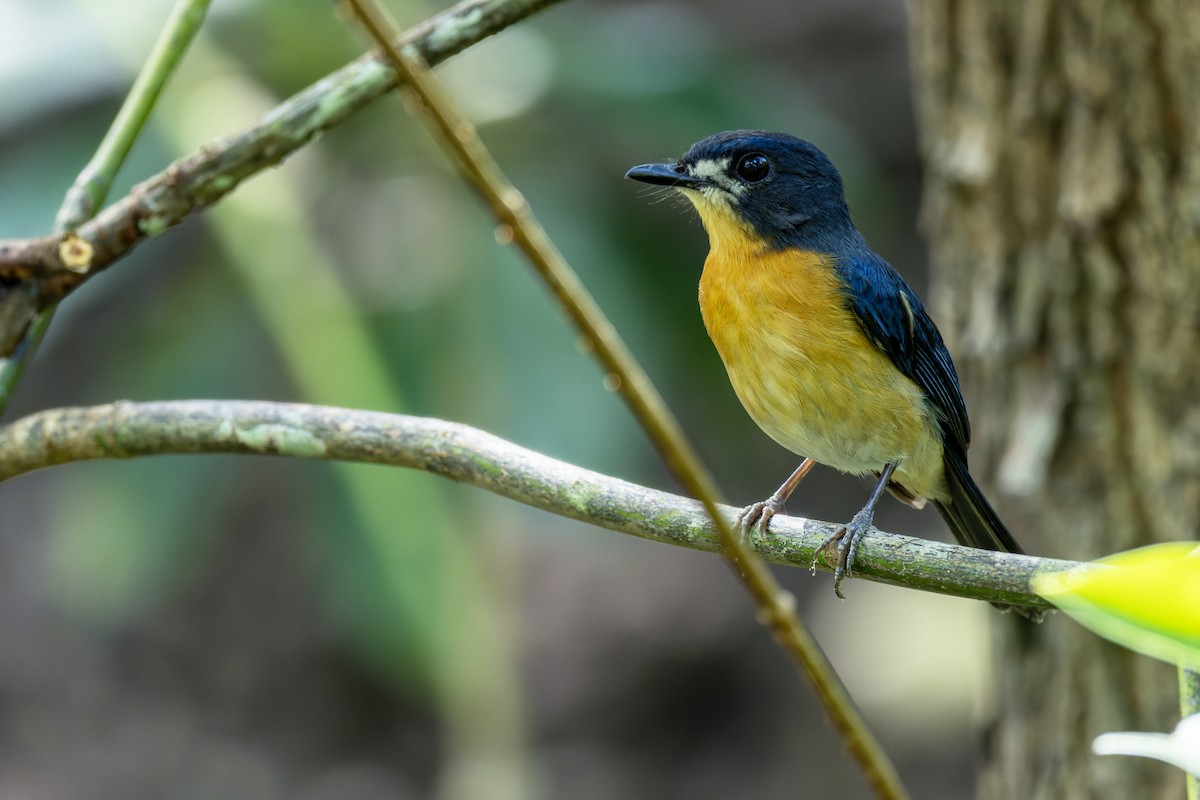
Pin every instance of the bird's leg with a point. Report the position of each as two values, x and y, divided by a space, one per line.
849 534
758 515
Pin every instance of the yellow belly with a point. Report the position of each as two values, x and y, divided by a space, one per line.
807 374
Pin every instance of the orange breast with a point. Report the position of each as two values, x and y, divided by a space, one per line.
805 370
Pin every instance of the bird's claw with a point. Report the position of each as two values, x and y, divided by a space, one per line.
847 538
757 516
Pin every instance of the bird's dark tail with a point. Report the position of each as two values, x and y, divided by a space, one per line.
970 516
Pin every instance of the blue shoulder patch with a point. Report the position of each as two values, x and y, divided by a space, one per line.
896 321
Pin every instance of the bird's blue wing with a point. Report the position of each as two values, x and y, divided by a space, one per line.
896 321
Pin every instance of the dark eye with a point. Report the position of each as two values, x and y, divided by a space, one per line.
753 167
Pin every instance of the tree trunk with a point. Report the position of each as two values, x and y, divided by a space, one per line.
1062 165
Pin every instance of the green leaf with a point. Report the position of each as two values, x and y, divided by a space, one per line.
1146 599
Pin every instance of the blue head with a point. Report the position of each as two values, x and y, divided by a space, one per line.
780 189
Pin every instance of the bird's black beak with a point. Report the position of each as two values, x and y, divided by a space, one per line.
665 175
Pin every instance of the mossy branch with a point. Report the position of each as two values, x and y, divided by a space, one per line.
190 184
462 453
88 193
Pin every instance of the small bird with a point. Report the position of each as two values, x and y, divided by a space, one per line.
829 350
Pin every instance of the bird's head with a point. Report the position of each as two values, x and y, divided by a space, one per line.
773 187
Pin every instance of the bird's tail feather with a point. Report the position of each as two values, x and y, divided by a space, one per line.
969 515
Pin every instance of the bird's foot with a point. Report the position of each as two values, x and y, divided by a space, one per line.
847 538
757 516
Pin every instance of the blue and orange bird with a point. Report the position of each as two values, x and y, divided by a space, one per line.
830 351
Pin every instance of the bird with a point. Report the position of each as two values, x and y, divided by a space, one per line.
829 349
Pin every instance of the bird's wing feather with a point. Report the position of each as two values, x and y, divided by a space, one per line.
895 320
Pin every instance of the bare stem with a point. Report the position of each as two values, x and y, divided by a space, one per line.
457 137
461 453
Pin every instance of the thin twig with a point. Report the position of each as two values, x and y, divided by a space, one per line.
91 188
196 182
459 452
458 138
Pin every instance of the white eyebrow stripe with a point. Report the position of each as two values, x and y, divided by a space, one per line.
716 171
710 168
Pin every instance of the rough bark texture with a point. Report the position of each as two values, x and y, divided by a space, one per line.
1062 152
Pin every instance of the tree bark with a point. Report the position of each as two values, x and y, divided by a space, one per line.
1061 143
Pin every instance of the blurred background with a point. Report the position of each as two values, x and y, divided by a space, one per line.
201 627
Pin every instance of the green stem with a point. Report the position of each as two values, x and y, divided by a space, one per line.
1189 704
91 187
87 194
13 367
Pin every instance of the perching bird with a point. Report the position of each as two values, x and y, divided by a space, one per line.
827 347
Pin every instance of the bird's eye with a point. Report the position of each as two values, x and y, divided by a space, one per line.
753 167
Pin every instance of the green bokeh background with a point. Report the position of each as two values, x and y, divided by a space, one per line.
249 627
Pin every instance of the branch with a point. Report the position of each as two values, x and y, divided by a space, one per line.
462 453
191 184
457 136
89 192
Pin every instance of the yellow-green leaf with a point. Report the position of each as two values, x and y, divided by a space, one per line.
1146 599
